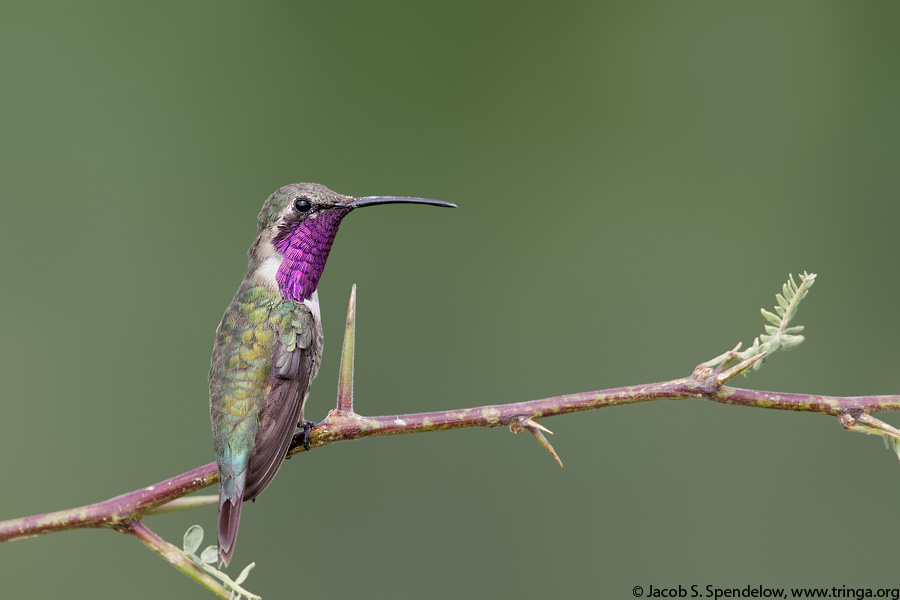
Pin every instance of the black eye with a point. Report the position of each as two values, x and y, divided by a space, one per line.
302 205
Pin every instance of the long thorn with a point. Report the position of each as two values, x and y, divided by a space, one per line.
521 423
345 382
739 368
866 423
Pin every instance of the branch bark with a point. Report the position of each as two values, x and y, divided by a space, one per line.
343 425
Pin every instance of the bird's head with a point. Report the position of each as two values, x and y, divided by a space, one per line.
297 225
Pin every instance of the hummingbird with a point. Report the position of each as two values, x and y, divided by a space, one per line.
268 345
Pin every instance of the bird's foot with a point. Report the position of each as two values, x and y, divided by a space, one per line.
306 426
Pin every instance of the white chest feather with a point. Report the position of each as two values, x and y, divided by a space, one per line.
312 303
265 273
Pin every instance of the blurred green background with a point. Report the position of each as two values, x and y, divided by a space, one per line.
635 180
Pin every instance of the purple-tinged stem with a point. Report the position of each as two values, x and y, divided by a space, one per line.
829 405
347 426
113 512
338 428
175 556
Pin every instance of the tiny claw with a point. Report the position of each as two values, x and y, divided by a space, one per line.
521 423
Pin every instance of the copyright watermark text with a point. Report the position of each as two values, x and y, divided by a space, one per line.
759 591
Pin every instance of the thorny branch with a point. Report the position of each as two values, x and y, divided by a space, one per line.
123 513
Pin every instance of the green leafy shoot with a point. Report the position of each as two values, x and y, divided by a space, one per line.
193 537
778 334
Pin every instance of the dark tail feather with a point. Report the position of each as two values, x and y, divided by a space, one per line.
229 519
230 501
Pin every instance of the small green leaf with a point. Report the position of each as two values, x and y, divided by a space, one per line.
192 539
240 578
210 555
771 317
892 444
791 341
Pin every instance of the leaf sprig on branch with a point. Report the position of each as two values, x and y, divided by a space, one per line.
777 336
193 537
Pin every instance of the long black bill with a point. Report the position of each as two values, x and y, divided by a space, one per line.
373 200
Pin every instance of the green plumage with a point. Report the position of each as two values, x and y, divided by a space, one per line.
256 321
239 375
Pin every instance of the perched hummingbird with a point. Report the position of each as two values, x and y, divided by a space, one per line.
269 344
